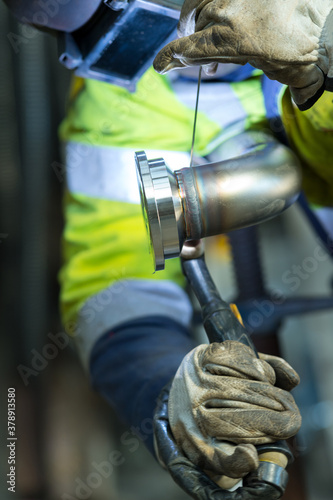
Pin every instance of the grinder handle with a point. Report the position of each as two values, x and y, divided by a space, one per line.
221 324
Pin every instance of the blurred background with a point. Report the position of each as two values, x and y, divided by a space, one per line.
64 430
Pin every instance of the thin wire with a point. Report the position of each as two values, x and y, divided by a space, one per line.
195 115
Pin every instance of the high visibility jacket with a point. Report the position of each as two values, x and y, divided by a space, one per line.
104 238
130 325
105 245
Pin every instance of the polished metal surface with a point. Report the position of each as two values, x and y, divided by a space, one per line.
274 474
241 191
218 197
160 204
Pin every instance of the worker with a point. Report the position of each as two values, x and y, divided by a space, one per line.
133 328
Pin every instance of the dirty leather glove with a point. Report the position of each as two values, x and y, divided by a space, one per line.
291 41
188 475
223 401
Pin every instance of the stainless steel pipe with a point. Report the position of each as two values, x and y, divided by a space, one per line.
218 197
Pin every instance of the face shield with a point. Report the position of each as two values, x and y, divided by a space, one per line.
120 41
112 40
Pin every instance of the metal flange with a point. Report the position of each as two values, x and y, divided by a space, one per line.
160 206
215 198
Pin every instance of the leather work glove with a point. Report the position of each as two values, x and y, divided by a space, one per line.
291 41
189 476
223 400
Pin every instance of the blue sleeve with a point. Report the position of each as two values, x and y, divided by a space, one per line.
130 365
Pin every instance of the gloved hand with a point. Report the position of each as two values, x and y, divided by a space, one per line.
291 41
188 475
223 401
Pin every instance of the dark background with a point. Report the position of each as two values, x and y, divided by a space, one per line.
63 428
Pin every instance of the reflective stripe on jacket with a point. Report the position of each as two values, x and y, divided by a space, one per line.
104 238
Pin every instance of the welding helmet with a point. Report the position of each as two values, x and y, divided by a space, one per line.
112 40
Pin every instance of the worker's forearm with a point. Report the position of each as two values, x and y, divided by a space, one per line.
131 364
